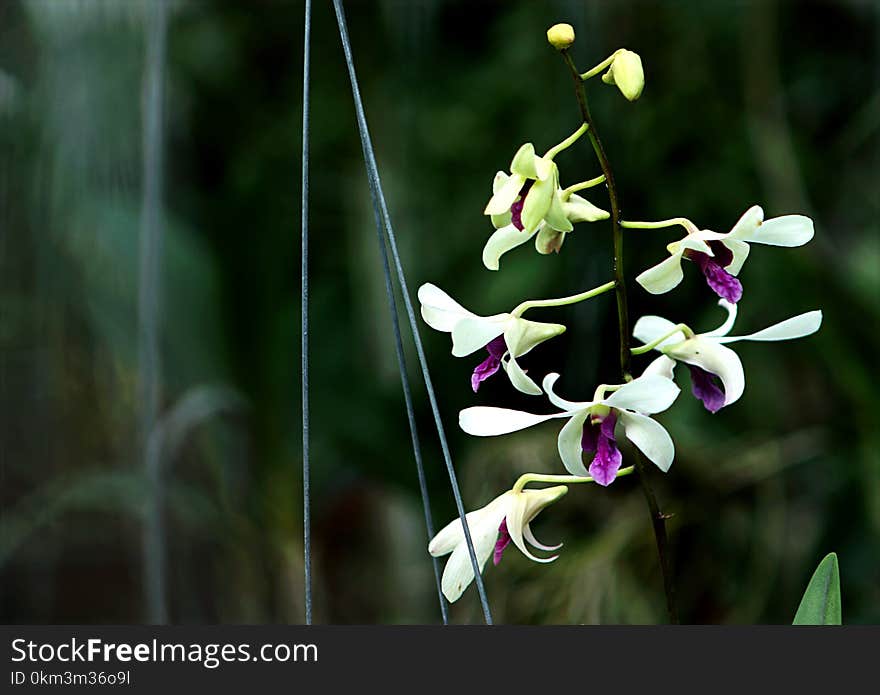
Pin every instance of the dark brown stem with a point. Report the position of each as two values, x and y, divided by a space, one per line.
658 519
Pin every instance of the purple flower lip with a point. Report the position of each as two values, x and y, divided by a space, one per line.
496 349
705 388
722 283
517 207
502 542
598 439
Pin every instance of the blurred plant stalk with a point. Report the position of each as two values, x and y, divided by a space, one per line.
149 310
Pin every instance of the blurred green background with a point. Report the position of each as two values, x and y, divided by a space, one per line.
774 103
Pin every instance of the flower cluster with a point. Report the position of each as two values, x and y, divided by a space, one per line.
529 202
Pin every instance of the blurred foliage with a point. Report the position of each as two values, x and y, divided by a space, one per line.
746 102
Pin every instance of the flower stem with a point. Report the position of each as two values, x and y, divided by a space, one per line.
658 519
568 142
574 188
563 301
570 479
599 68
689 226
647 347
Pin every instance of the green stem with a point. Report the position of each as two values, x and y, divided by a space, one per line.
689 226
658 519
599 68
574 188
568 142
620 280
570 479
647 347
562 301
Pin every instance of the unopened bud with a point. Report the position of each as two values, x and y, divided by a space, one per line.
627 73
560 36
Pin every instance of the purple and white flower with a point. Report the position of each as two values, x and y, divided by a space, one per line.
721 256
717 377
505 337
528 193
591 424
510 230
505 520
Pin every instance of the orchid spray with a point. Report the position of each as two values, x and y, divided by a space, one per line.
529 202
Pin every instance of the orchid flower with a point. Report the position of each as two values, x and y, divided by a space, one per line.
591 424
549 235
627 73
505 337
705 354
504 520
528 192
721 256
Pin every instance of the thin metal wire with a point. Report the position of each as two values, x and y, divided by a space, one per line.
407 397
379 200
149 308
306 461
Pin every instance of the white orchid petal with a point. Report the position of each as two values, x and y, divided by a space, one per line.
451 535
502 220
646 394
569 444
795 327
537 204
471 334
440 311
548 383
516 536
740 251
523 162
650 328
662 277
502 241
662 366
522 335
446 539
524 507
548 240
556 217
499 181
650 437
459 570
520 380
725 327
546 168
485 421
697 242
788 230
505 196
530 537
579 209
714 358
746 226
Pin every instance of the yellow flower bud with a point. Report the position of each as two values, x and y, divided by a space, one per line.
627 73
560 36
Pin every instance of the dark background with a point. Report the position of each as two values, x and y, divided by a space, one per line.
774 103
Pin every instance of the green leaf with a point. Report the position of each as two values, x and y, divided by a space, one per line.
821 602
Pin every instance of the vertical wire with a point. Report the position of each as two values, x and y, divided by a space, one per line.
306 461
407 397
378 197
149 307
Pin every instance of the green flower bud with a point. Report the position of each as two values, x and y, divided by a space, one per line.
627 73
560 36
